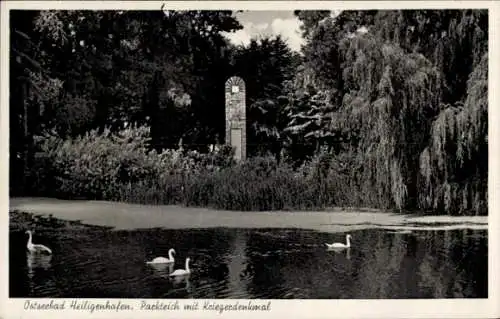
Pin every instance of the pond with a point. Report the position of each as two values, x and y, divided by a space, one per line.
98 262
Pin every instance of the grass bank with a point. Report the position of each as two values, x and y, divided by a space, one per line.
121 216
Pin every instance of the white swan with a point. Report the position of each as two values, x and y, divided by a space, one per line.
182 272
341 245
163 260
36 248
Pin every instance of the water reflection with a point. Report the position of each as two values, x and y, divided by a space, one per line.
34 261
162 270
342 251
253 263
37 272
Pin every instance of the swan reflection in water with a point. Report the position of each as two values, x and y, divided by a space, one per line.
347 252
162 270
181 282
36 263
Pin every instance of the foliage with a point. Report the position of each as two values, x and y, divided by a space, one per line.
310 114
265 65
383 108
118 166
91 164
310 19
389 78
130 65
95 165
454 166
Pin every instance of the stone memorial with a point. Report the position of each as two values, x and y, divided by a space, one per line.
236 116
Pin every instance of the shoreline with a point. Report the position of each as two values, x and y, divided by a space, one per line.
125 216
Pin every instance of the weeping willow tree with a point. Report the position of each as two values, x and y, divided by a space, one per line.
410 98
453 40
411 158
389 92
454 167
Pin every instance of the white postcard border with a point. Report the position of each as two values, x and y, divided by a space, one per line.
408 308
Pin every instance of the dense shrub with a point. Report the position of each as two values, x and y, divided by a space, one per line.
94 164
256 184
120 166
111 165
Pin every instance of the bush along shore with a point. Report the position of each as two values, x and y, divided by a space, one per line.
119 166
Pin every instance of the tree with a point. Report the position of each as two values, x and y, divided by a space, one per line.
30 87
108 60
265 65
310 116
454 166
73 71
397 90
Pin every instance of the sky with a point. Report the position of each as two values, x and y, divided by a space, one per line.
257 24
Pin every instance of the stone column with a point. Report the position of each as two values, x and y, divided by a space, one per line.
236 126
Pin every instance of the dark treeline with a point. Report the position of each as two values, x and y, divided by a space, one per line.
391 107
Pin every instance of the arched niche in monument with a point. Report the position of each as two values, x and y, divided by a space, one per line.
236 116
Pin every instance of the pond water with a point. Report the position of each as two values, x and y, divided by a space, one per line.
251 263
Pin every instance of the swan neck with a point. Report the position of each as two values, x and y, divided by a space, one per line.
170 253
187 264
29 239
348 239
